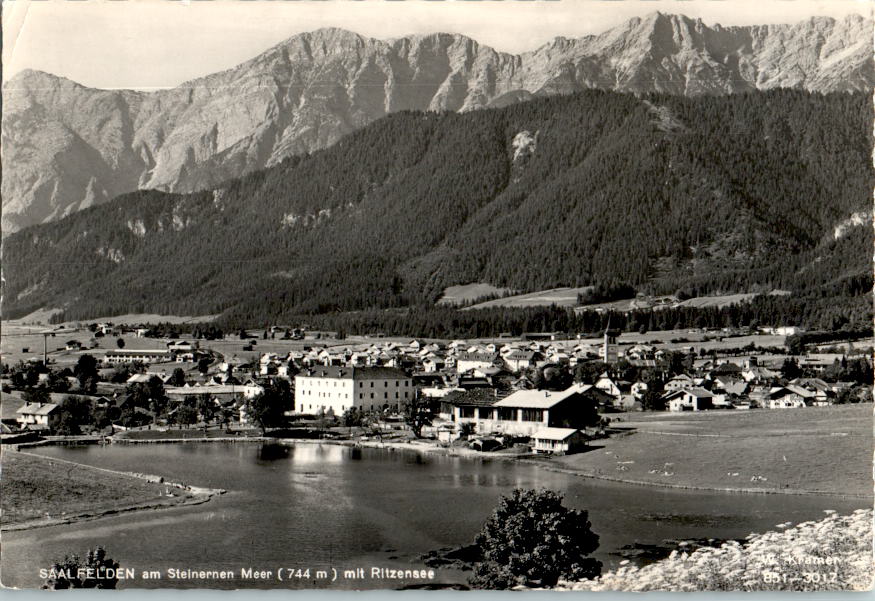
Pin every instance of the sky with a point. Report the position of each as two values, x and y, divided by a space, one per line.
149 44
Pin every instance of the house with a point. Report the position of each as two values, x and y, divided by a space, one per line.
789 397
689 399
183 346
433 363
468 406
519 359
468 360
558 440
678 382
526 411
36 416
223 393
338 388
73 345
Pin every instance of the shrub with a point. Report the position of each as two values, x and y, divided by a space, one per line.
533 540
794 559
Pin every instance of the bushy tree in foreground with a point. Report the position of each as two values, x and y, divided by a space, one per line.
533 540
97 571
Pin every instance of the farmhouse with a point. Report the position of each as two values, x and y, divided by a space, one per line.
36 416
338 388
689 399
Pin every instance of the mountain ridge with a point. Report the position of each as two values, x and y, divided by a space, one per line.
67 146
712 194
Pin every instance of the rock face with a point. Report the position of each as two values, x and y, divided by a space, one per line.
66 147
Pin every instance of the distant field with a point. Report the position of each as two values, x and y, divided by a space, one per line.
717 301
457 295
820 449
563 297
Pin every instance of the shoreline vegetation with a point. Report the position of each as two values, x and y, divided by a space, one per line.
834 553
41 491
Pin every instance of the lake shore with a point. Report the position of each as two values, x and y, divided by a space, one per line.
820 452
39 492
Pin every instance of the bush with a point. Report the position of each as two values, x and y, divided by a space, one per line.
97 571
762 563
533 540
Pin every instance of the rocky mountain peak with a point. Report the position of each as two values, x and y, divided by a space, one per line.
67 146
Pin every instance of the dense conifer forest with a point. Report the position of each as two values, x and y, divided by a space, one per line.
660 194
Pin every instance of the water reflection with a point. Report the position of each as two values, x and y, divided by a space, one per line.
323 504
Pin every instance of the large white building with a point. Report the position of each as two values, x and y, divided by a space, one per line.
143 355
338 388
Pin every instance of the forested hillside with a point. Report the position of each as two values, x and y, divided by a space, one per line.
713 194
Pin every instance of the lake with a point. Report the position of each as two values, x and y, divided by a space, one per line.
323 506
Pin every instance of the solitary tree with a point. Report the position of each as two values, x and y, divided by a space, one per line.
86 372
120 342
177 378
418 413
532 539
267 410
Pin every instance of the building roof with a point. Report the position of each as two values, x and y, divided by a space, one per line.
480 356
478 397
554 433
353 373
699 392
129 352
540 399
37 409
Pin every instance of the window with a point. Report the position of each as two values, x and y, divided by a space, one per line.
385 395
507 414
533 415
372 384
372 396
466 412
486 413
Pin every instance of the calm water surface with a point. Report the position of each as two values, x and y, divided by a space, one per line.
322 506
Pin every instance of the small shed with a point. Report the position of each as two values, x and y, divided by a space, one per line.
558 440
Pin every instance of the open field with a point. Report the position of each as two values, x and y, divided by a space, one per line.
458 295
717 301
817 449
40 490
562 297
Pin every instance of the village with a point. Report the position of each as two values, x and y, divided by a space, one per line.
539 393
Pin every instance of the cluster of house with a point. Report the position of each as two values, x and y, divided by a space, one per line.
458 356
728 386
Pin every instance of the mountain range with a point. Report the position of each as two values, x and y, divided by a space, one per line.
709 194
66 147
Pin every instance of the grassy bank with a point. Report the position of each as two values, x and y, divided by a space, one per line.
38 491
827 555
822 450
